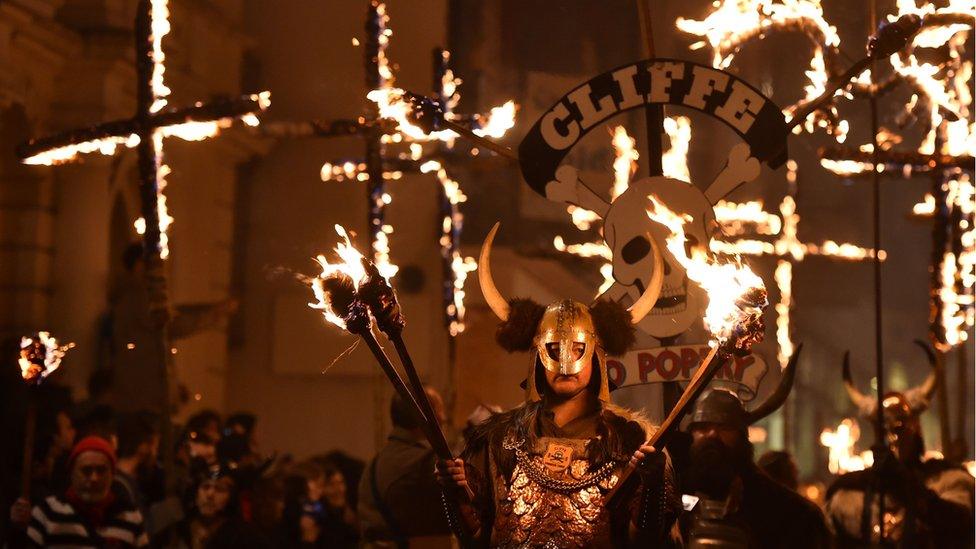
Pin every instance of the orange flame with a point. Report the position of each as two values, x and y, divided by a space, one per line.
350 263
724 282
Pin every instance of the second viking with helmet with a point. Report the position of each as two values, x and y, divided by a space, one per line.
536 476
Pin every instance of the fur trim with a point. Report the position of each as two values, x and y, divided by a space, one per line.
613 326
629 430
518 332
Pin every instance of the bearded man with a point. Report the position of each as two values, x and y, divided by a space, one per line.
733 504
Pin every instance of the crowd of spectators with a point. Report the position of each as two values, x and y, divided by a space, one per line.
96 478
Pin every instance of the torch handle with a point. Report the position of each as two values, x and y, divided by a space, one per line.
481 141
702 376
439 443
401 388
832 86
27 465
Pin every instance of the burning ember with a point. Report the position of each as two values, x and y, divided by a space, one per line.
61 155
841 442
736 295
40 356
675 159
460 266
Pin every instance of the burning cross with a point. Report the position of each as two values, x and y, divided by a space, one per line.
941 103
150 124
147 128
388 125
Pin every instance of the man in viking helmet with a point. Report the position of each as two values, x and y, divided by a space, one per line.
927 503
733 504
536 476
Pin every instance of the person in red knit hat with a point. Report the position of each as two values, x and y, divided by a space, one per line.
90 513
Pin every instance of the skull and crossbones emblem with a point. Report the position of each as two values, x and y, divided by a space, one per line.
627 229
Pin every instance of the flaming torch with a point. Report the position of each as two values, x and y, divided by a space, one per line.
351 294
736 301
426 113
40 356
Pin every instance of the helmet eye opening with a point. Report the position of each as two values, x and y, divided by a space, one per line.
552 349
578 350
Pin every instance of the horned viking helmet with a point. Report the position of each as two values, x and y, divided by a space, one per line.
566 335
723 407
913 401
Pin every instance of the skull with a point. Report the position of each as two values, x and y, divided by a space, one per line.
625 230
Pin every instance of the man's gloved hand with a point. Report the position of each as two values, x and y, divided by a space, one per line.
649 463
451 475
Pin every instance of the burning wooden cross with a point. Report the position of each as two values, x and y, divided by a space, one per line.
387 125
145 130
942 105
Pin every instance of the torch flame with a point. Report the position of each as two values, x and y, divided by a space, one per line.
726 283
34 368
350 264
498 121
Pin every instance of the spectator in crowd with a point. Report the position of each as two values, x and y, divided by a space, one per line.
352 470
206 422
400 500
317 509
268 509
138 448
99 392
245 425
90 513
100 421
53 440
213 516
198 446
